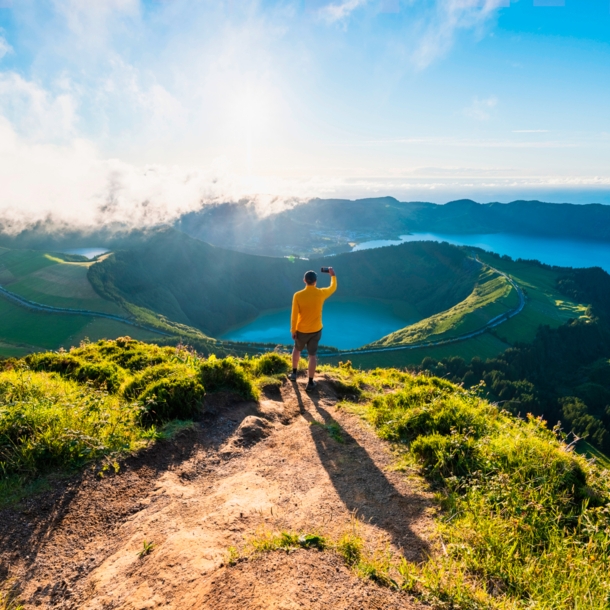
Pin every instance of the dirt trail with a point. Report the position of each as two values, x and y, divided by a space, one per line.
246 468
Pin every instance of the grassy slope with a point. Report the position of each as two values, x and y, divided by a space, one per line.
213 289
545 305
492 296
522 522
43 278
23 331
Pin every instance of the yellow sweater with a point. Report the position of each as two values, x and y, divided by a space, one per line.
307 307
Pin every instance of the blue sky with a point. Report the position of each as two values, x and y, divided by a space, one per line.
128 110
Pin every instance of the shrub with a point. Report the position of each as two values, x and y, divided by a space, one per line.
176 397
137 385
427 405
228 375
64 364
126 353
271 364
447 455
101 374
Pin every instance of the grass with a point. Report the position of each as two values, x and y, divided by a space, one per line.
63 285
37 330
60 411
524 520
492 296
43 278
485 346
545 305
147 548
373 564
9 598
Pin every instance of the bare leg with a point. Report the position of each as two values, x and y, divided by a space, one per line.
296 356
313 361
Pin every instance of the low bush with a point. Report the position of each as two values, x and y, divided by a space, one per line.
137 384
226 375
175 397
102 374
271 364
62 363
427 405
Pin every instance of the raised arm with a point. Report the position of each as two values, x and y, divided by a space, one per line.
333 284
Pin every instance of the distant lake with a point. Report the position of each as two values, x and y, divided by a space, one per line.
560 252
347 325
88 252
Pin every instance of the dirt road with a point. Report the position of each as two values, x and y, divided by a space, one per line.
245 468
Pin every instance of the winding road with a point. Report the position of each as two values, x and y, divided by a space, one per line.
11 296
491 324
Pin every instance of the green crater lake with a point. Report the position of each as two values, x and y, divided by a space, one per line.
347 324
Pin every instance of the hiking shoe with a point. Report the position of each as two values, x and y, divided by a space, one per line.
311 385
292 376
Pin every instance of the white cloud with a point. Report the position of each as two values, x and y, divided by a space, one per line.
5 47
338 11
439 27
33 111
480 109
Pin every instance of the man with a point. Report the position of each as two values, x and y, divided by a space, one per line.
306 322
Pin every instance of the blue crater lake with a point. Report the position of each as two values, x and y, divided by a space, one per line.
552 251
347 324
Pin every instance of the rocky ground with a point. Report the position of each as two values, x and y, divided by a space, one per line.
244 469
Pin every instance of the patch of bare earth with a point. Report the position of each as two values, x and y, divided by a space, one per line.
245 468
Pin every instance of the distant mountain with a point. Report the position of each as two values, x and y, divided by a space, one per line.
323 226
328 226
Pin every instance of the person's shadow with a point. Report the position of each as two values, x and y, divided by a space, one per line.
363 487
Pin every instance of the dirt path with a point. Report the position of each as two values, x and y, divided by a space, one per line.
246 468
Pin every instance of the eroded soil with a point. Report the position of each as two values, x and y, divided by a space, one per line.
246 468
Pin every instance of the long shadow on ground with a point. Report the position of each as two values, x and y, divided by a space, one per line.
363 487
46 534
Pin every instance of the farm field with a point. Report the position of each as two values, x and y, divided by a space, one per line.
23 331
46 279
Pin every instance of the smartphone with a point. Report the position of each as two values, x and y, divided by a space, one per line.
324 270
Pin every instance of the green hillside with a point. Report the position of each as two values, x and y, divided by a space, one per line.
23 331
44 278
492 296
520 520
213 289
545 305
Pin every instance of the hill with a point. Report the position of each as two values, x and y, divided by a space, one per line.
214 289
135 474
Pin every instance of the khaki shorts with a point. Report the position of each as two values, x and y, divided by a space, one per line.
309 341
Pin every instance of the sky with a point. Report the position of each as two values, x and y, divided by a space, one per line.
137 111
